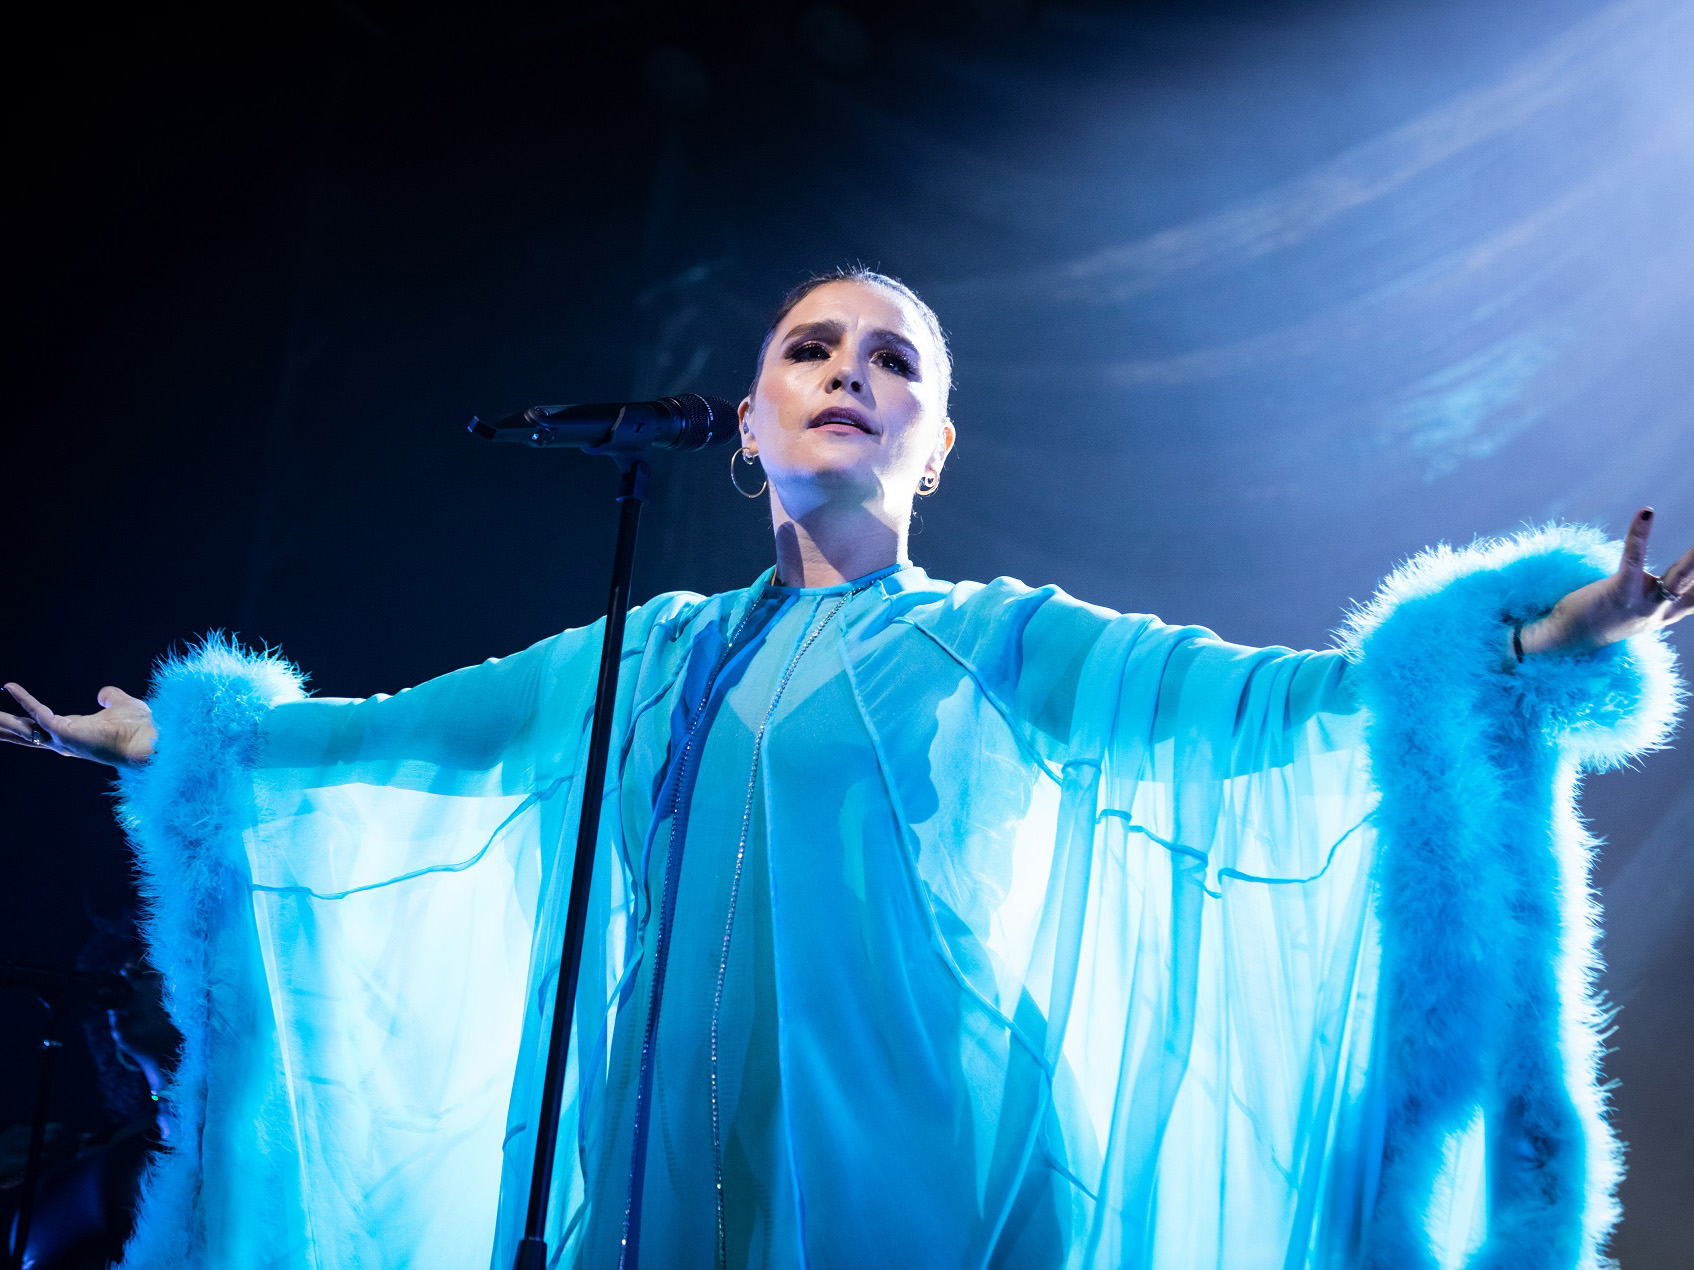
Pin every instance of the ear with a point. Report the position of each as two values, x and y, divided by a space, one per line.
741 413
949 434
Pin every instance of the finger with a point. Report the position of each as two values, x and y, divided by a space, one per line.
1683 605
1680 575
19 731
40 713
22 731
1635 543
110 696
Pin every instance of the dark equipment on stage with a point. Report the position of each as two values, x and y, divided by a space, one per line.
624 432
686 422
59 992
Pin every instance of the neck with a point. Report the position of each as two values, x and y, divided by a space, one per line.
831 544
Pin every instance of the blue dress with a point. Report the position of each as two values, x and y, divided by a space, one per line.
933 924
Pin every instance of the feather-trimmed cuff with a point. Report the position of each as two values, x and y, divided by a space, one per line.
1449 611
207 703
1486 1006
183 811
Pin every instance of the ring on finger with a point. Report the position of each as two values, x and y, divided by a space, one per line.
37 737
1665 593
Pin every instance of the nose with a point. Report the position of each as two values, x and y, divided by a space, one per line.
846 375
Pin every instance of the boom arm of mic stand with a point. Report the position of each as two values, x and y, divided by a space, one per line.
532 1251
542 433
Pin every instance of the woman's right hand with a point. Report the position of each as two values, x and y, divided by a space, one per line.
121 734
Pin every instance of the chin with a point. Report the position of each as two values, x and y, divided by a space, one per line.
832 480
836 479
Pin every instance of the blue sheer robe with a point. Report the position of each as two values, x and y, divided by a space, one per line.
932 924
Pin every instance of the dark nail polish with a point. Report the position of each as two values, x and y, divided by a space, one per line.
1646 513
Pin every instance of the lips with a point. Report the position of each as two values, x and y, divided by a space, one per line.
842 414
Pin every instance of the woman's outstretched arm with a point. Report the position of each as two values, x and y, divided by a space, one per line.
120 734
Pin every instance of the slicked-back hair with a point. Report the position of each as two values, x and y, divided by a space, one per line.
858 273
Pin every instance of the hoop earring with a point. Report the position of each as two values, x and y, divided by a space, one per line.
735 481
928 483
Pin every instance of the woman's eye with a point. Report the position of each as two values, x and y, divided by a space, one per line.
808 352
895 362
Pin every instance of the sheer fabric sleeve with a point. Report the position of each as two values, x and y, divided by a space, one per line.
1216 913
1151 858
342 896
1326 962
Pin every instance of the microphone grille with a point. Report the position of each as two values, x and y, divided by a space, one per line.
705 420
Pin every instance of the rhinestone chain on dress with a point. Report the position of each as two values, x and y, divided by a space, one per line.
729 923
667 909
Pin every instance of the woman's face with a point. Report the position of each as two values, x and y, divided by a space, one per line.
850 402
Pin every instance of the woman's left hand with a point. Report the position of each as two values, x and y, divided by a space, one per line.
1627 603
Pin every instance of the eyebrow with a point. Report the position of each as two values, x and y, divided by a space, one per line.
830 332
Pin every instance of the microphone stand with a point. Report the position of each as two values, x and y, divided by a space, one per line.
54 989
532 1251
50 1047
623 432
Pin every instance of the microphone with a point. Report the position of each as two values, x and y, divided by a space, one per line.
685 422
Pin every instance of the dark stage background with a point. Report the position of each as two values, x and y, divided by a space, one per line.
1249 301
